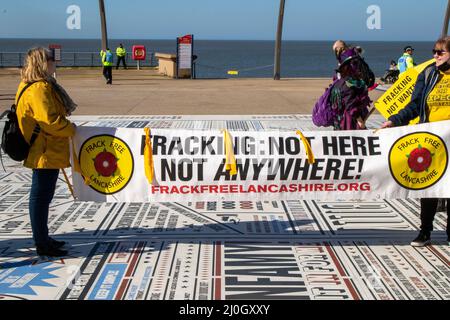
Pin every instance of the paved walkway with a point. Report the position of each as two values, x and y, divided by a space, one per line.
145 92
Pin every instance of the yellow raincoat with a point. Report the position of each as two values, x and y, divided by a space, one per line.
40 103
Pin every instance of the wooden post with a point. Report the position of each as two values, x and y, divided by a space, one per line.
276 68
103 23
446 19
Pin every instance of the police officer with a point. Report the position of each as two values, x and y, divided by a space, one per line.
121 54
107 61
406 60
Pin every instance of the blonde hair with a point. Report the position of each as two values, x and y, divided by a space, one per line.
36 65
338 47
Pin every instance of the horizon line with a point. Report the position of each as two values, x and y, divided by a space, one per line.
206 39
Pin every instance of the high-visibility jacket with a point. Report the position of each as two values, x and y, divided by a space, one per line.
107 58
121 52
405 62
41 104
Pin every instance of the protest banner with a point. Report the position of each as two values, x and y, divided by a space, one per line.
399 94
194 165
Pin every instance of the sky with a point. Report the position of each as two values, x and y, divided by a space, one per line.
413 20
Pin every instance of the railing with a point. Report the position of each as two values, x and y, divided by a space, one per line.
74 59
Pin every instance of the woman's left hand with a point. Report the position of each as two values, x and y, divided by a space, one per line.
387 124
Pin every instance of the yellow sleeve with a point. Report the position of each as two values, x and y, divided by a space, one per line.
48 114
409 62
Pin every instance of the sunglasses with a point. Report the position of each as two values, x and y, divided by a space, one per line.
439 52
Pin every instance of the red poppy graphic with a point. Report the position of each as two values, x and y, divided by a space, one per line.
420 159
105 163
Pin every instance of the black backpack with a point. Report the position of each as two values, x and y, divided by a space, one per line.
13 141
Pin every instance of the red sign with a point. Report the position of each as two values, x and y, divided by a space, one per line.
56 51
139 52
187 39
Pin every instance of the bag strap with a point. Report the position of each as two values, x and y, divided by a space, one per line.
427 73
18 99
4 114
23 90
37 128
35 134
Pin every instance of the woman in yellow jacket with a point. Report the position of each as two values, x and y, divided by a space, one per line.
43 108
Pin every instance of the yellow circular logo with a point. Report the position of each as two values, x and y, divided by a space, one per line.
418 160
108 163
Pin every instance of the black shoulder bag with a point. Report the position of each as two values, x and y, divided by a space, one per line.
13 141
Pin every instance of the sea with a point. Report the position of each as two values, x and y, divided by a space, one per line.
252 59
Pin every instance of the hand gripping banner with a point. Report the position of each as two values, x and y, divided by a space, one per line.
137 165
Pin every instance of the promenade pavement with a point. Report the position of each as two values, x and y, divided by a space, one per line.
145 92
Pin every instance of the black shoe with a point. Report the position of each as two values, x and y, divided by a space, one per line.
56 244
51 251
423 239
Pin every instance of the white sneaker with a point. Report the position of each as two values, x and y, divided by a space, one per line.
423 239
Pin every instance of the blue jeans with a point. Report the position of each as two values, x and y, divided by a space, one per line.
43 186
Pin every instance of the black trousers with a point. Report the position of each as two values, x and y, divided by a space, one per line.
428 207
118 62
107 73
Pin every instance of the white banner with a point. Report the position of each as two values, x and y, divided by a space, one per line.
189 165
